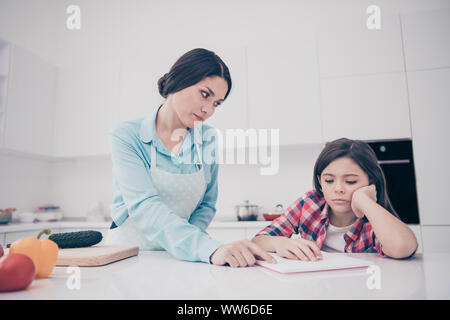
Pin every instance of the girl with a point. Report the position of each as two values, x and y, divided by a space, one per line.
164 193
348 211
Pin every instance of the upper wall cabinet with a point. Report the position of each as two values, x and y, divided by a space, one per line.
348 47
369 107
363 83
5 52
86 103
283 89
430 102
426 39
427 55
29 107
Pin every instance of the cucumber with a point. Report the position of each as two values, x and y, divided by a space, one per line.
78 239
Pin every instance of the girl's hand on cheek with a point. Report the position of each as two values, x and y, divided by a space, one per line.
367 193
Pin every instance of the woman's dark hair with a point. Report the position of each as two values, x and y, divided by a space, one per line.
360 152
192 67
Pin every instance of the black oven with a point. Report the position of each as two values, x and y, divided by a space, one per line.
396 159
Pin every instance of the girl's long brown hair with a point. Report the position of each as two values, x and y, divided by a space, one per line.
360 152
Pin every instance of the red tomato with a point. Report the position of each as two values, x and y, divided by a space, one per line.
16 272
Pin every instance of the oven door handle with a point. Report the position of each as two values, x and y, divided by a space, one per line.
393 161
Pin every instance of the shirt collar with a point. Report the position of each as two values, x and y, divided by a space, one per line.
148 133
354 231
148 127
324 212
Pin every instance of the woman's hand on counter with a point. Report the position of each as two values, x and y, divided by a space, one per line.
242 253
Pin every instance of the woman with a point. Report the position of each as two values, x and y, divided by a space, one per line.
164 193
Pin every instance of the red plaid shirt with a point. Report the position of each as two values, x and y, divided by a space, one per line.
308 216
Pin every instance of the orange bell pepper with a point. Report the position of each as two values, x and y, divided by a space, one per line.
44 253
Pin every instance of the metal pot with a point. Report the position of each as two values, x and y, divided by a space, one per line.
247 211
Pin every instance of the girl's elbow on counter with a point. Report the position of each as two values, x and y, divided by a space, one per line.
402 251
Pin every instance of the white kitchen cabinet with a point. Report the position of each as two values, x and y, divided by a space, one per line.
5 53
226 235
2 239
251 232
283 88
436 238
347 47
425 37
363 84
367 107
2 127
29 112
418 233
5 50
430 112
87 101
89 94
10 237
227 232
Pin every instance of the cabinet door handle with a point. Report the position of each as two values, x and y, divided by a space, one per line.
393 161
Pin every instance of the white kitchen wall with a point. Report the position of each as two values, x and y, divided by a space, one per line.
238 183
24 182
77 183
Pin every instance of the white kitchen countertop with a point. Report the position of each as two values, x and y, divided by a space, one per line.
158 275
82 224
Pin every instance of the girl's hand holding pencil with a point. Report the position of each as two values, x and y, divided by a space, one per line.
296 249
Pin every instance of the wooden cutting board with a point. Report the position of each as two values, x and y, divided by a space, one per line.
95 255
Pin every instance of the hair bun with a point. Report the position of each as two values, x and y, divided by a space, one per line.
161 85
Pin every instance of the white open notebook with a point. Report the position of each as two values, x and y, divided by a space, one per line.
329 261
